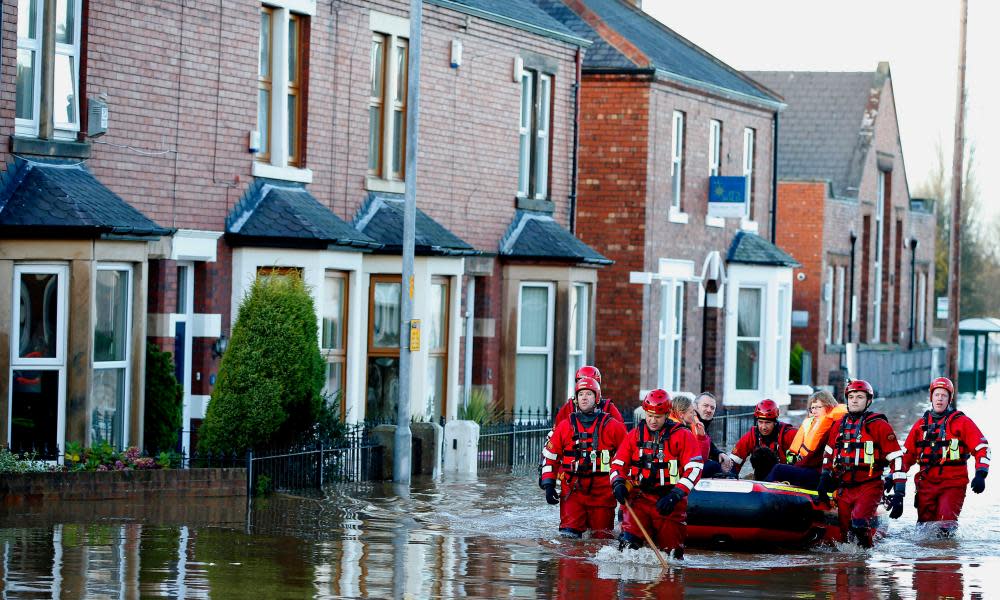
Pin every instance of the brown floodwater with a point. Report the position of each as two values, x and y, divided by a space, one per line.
487 537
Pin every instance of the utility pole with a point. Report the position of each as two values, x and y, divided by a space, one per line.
401 455
955 248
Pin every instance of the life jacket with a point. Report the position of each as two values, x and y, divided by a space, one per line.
773 441
936 449
654 466
585 458
851 452
812 433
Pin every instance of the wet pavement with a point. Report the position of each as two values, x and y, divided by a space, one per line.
489 537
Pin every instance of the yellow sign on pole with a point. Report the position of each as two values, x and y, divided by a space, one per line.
415 335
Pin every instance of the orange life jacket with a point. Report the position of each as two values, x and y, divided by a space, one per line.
812 433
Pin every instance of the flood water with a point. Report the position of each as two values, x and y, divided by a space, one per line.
489 537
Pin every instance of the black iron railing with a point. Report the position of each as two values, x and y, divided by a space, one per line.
515 442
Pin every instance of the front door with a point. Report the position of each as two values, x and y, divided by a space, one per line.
182 346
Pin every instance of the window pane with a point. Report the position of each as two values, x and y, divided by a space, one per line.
333 314
27 12
578 318
747 360
111 327
382 394
182 287
398 142
375 76
335 384
25 84
435 387
64 90
107 406
525 166
678 308
374 137
526 100
387 314
748 321
293 125
65 21
401 74
534 317
264 63
676 383
34 413
438 302
532 371
264 120
293 50
39 314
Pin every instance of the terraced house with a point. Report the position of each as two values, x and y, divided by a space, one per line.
163 155
677 187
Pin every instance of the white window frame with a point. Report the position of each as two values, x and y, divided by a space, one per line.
57 363
749 142
534 131
922 308
277 166
125 363
579 298
781 366
760 338
828 303
840 298
877 295
31 127
714 147
546 350
677 164
671 334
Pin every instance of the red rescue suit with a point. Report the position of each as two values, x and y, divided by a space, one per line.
942 446
605 405
858 449
654 463
779 442
579 454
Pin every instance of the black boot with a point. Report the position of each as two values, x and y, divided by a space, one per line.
862 536
627 540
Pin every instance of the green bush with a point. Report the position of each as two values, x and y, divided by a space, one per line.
795 364
103 457
164 401
480 409
268 388
20 463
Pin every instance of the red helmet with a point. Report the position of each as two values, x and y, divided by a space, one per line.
860 385
766 409
657 402
588 371
945 384
588 383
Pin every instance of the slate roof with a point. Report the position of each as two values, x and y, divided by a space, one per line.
664 48
284 214
523 14
58 197
538 236
825 131
381 218
750 248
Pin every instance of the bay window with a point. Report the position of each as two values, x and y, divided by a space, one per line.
437 348
579 319
109 398
384 310
671 334
535 333
333 342
748 337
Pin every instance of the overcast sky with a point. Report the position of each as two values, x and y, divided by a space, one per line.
919 38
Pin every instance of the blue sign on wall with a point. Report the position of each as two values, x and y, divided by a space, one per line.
727 197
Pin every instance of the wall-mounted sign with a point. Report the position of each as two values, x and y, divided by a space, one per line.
942 307
727 197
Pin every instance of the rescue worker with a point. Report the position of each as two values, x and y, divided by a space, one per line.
654 470
941 443
804 458
579 455
765 444
716 461
605 404
859 446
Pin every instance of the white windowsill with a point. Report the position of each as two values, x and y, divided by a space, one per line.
676 216
286 173
747 225
377 184
711 221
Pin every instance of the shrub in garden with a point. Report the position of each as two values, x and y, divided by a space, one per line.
269 383
164 401
11 462
103 457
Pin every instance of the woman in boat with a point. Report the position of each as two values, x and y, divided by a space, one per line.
804 458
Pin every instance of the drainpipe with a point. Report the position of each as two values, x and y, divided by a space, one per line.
913 286
470 313
850 313
576 142
774 182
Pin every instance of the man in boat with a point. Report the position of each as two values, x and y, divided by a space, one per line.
579 454
765 444
941 442
804 459
859 446
604 405
654 470
716 461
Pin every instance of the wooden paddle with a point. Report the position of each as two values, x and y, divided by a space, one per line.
645 534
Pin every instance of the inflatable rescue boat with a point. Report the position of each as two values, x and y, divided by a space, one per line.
744 512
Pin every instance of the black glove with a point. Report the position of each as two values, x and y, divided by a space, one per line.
895 506
825 487
551 496
665 505
620 490
888 483
979 481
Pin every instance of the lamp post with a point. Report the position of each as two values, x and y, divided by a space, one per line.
913 285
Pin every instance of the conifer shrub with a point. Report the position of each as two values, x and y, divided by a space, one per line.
164 401
268 390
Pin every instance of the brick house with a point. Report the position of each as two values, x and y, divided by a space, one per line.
845 212
259 138
695 301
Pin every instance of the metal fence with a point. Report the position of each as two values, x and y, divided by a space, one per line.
727 427
897 372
